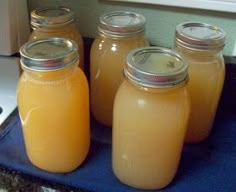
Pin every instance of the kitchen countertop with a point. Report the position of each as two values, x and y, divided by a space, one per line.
11 181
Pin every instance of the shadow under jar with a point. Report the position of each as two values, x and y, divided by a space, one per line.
57 22
53 103
201 45
119 33
151 112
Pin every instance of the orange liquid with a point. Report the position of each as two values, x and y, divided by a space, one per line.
54 111
149 127
205 87
107 59
70 32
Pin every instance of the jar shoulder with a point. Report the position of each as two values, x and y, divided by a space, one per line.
128 91
101 42
75 76
68 32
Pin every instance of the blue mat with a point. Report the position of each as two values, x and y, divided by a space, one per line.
209 166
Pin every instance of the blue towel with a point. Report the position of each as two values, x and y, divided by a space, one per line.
208 166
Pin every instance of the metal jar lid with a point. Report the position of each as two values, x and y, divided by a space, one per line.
121 24
48 54
51 17
199 36
155 67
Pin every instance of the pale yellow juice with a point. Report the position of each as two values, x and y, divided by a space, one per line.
107 59
201 45
206 79
54 111
149 127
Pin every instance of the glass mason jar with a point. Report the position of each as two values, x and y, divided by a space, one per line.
56 22
119 33
53 103
150 117
201 46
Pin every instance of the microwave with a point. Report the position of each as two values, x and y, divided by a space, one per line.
14 25
14 31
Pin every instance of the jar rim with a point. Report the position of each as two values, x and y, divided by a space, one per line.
121 24
155 67
48 54
51 17
199 36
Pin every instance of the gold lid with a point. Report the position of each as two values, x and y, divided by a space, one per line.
155 67
48 54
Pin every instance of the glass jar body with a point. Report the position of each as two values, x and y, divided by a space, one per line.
149 127
69 31
107 59
54 111
206 80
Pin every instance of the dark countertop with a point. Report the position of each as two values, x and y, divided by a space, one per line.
12 181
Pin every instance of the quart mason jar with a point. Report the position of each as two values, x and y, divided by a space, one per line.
53 104
150 117
201 45
56 22
119 33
